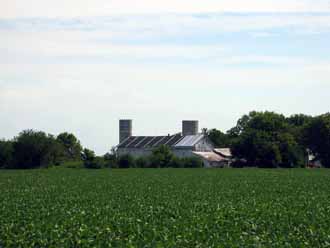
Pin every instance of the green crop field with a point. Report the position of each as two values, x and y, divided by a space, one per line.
165 208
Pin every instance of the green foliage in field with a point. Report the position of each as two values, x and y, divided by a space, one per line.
164 208
6 153
71 147
317 138
219 139
91 161
266 139
161 157
34 149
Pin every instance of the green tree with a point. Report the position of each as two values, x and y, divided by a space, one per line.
126 161
111 160
6 153
177 162
33 149
218 138
317 138
264 140
71 146
142 162
161 157
90 159
193 162
297 125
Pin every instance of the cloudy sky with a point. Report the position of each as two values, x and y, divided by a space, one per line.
81 65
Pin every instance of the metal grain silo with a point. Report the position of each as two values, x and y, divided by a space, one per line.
189 128
125 129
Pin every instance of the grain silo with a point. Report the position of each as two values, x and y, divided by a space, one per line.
189 128
125 129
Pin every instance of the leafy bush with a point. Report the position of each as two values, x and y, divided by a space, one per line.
142 162
317 138
71 146
91 161
193 162
73 164
126 161
6 153
110 160
177 163
32 149
265 139
161 157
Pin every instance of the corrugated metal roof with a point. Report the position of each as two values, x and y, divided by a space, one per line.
150 141
189 140
175 141
223 151
210 156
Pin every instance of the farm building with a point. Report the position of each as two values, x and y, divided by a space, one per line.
188 143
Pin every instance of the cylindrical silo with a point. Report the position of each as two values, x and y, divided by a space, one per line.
189 128
125 129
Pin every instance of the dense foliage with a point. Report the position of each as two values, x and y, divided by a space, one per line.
35 149
164 208
91 161
264 139
71 146
317 138
161 157
219 139
6 153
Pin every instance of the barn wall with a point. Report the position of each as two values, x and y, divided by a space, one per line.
183 153
204 145
135 152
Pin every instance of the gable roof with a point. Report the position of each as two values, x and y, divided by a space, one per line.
145 142
189 141
210 156
226 152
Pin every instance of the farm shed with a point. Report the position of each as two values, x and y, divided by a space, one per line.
213 160
182 144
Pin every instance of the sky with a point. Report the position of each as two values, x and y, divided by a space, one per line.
80 66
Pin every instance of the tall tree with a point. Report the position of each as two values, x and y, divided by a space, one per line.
317 138
6 153
161 157
71 146
34 149
264 140
218 138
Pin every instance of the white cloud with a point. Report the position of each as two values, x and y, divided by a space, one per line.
89 99
170 25
73 8
41 88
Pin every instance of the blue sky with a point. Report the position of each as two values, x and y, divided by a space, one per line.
80 69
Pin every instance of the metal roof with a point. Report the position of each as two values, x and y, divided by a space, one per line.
175 141
150 141
189 140
226 152
210 156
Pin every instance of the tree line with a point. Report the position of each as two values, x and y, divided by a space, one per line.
36 149
271 140
259 139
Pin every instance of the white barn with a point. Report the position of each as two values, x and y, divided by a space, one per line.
187 143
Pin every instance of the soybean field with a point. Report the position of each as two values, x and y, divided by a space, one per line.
63 207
